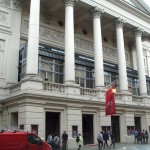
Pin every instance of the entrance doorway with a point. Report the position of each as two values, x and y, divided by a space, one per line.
87 127
116 127
14 119
137 123
52 124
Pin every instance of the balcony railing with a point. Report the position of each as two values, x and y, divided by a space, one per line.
89 92
54 87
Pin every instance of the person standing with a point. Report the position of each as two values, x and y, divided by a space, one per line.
64 140
136 136
112 137
79 141
100 140
146 137
50 140
56 142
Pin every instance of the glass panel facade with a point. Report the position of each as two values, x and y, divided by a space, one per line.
51 69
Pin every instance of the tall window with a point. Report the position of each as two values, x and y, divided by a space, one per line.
22 62
51 70
148 87
133 86
84 76
109 78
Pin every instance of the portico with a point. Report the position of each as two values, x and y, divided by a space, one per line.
69 51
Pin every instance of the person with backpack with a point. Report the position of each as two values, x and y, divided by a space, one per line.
100 140
79 141
56 142
50 140
64 140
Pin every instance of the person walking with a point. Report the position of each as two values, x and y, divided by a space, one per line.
64 140
100 140
105 137
79 141
112 137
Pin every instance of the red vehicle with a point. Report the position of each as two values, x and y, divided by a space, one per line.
21 140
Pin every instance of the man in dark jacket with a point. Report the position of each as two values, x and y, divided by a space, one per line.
64 140
105 137
112 137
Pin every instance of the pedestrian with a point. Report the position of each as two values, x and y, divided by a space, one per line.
146 137
56 142
135 136
142 137
105 138
64 140
100 140
79 141
112 137
50 140
139 137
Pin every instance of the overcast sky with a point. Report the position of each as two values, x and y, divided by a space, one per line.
147 2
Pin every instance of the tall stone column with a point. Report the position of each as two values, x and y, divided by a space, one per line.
98 52
140 62
33 39
69 42
123 83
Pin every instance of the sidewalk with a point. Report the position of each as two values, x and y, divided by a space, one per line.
119 146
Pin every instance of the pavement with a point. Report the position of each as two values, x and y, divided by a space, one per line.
119 146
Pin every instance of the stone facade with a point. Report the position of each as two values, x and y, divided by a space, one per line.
32 102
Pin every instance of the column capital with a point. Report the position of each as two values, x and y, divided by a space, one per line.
69 2
138 32
17 4
119 22
97 12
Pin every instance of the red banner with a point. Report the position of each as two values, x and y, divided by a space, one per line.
110 102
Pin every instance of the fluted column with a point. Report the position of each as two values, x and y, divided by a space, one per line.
69 42
98 52
140 62
33 38
123 82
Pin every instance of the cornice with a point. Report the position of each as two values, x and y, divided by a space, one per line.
112 12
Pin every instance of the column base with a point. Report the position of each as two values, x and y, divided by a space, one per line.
143 94
70 83
72 88
31 81
32 77
124 92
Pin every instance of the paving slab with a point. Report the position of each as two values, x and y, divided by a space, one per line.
119 147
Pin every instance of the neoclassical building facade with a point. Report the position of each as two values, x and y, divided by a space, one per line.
58 58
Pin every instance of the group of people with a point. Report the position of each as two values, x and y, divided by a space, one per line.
54 141
103 137
141 136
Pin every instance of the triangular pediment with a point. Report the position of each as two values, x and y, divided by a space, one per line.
139 4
